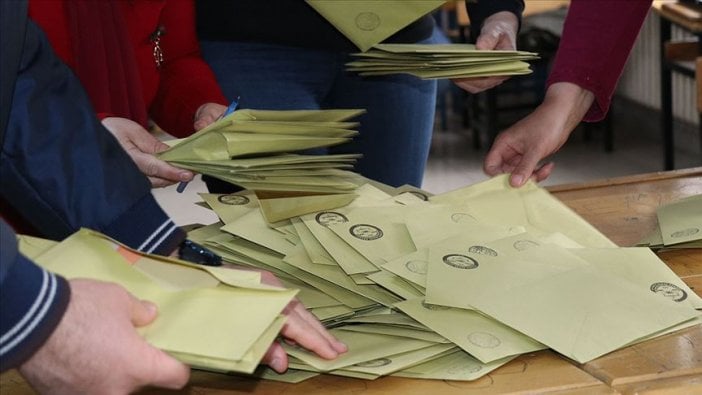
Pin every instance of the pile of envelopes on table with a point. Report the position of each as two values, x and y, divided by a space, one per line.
210 318
679 225
455 285
255 150
433 61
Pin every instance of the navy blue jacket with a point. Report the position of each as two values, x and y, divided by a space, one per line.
61 170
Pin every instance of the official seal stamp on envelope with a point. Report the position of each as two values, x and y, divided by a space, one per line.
376 363
417 266
366 232
669 290
233 200
326 218
482 250
460 261
484 340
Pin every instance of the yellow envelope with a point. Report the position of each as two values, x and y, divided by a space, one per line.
183 308
681 221
482 337
276 209
459 366
362 347
368 22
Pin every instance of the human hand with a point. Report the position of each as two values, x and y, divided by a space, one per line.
95 349
141 146
520 148
499 32
208 113
301 328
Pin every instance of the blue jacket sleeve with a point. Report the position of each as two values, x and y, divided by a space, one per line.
60 169
479 10
32 302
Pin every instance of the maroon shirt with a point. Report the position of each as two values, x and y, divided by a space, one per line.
597 38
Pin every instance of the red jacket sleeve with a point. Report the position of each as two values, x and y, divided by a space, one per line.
187 82
597 38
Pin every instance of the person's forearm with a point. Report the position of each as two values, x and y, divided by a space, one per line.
62 170
32 302
568 101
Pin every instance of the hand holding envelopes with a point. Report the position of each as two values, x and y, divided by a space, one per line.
250 148
431 61
240 323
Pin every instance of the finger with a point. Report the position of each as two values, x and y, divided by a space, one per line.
305 335
276 358
208 114
544 171
159 182
165 371
146 142
142 312
524 169
201 124
497 157
308 317
153 167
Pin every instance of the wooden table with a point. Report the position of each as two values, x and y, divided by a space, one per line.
624 210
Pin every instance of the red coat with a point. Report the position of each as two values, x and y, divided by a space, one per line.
173 92
598 36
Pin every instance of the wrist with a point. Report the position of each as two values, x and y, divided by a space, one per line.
569 100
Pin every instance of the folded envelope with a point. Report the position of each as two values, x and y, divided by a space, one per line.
495 202
241 322
576 309
368 22
482 337
582 313
681 221
280 207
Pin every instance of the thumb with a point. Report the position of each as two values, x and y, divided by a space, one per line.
524 170
276 358
142 312
487 40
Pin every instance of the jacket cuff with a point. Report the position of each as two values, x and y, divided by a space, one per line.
147 228
33 302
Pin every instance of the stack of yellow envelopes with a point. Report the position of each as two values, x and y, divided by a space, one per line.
242 317
255 150
431 61
455 285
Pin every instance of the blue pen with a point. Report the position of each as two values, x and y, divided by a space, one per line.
230 109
